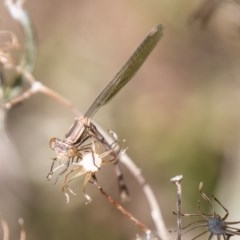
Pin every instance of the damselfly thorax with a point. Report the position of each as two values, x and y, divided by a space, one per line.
81 130
78 133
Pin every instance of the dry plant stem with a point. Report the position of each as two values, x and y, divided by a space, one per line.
64 101
37 87
119 207
22 231
215 225
149 194
147 190
5 228
17 11
177 181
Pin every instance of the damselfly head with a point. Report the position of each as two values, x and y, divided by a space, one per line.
52 143
63 148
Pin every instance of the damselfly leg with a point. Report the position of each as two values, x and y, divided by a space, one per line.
90 163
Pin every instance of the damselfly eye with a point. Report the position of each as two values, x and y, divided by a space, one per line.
72 152
52 143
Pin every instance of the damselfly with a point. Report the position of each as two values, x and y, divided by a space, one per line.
82 129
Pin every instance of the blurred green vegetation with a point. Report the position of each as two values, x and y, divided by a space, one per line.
179 115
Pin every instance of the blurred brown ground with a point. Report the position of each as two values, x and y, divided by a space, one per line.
179 115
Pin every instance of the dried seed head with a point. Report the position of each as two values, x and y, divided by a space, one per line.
91 162
213 223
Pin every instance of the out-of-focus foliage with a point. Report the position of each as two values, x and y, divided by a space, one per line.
178 115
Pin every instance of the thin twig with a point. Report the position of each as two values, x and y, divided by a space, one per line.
22 230
177 181
18 13
37 87
5 228
156 213
119 207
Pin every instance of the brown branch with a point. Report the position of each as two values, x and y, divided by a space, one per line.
120 208
177 181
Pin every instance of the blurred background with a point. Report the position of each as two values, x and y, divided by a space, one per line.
179 115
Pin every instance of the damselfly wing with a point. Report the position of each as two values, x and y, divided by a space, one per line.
126 73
